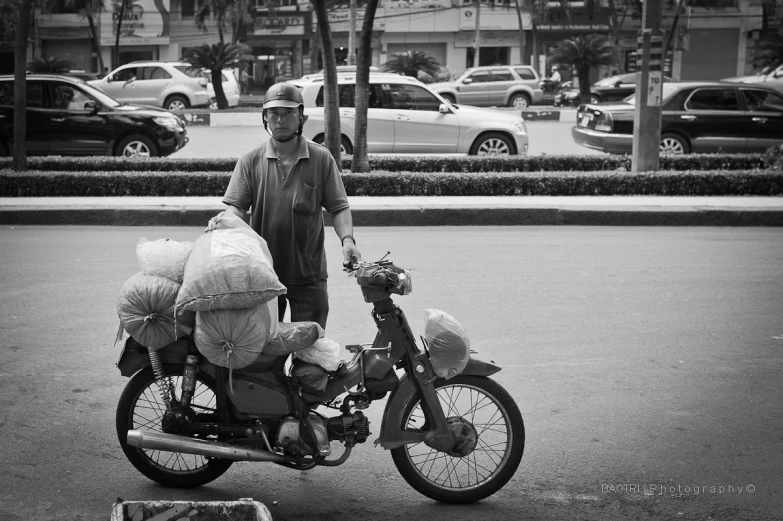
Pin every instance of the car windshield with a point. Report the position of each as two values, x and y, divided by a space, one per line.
606 82
668 90
99 96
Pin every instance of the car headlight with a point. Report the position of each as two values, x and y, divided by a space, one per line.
519 124
170 123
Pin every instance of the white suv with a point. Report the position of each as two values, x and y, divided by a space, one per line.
404 116
171 85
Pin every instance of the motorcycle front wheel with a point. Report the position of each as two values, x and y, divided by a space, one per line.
141 407
490 438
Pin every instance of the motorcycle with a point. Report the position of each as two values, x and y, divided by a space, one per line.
183 421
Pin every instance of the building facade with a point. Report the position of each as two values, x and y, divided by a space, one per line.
712 39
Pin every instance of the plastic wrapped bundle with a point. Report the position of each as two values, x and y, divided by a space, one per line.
229 268
324 352
234 338
448 342
146 310
293 336
163 258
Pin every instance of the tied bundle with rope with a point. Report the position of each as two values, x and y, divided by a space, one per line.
146 310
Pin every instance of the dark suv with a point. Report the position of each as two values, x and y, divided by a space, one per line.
66 116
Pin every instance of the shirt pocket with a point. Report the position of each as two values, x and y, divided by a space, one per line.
304 201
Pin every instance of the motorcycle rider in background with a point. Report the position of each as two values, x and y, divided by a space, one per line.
551 83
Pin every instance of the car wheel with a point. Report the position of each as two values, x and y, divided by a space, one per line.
345 146
672 144
519 101
175 103
492 144
594 100
448 97
136 146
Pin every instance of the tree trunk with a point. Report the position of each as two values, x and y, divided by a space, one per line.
332 136
670 33
583 73
477 42
522 36
96 42
19 163
117 37
352 35
534 30
360 161
217 84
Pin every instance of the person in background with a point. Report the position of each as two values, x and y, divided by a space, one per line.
285 183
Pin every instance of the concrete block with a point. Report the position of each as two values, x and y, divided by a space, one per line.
241 510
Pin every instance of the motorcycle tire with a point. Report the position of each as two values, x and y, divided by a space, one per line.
487 416
141 407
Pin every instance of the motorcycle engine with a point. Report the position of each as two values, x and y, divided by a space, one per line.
351 428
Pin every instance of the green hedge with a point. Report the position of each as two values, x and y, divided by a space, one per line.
418 164
668 182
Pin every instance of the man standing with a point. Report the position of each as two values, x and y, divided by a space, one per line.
286 182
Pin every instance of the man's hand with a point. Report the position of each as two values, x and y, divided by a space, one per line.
351 255
212 224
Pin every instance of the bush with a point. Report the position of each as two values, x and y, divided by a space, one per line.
384 183
420 164
773 159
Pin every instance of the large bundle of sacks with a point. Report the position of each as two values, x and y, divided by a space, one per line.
222 288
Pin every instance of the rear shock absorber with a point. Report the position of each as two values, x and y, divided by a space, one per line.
165 387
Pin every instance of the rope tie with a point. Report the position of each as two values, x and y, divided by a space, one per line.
228 347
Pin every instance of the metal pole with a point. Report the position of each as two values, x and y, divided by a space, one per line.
649 83
477 43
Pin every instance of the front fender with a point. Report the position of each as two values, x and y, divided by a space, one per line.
392 433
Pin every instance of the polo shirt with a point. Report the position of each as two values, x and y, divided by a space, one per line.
286 208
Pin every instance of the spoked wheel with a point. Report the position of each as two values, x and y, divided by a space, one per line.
489 441
141 407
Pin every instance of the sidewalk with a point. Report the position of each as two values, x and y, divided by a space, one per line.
417 211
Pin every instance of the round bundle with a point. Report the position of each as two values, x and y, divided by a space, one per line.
234 338
146 310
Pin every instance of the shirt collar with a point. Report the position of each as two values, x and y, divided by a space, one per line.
303 152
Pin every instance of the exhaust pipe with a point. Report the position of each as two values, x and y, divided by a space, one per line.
148 440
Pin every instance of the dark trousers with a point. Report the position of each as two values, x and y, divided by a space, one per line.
309 302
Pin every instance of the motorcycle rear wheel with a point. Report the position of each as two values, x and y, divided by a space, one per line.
489 414
141 407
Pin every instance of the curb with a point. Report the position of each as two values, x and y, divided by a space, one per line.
413 216
242 510
253 119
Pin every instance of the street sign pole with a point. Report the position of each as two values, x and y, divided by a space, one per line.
649 83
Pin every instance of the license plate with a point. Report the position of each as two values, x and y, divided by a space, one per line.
586 119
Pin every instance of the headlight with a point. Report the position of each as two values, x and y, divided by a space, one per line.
170 123
519 124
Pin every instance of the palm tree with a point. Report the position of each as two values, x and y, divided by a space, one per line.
769 52
411 62
360 161
215 58
52 65
88 9
583 53
332 135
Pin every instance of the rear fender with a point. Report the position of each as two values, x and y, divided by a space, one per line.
392 433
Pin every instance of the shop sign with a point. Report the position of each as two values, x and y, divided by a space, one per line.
278 25
340 20
493 19
144 22
416 5
488 39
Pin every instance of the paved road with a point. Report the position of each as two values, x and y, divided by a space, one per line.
640 358
552 138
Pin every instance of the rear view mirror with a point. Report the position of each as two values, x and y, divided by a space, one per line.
444 108
467 81
91 107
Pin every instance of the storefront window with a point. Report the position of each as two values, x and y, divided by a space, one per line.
489 56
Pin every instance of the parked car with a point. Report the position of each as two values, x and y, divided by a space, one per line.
699 117
494 86
772 78
611 89
404 116
230 88
171 85
66 116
